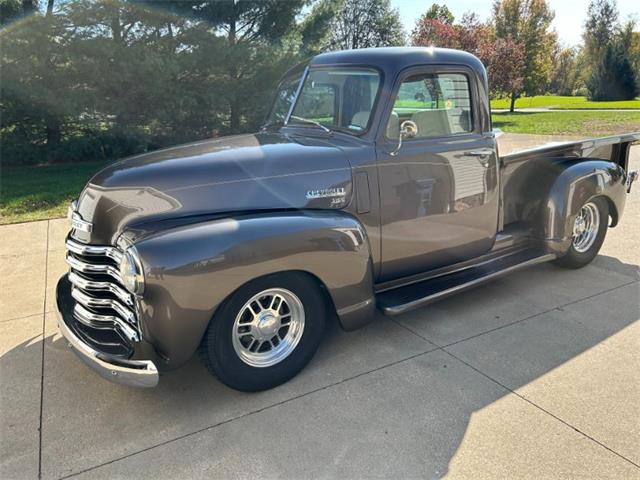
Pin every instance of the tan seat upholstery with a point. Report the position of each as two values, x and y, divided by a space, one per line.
360 119
393 127
432 123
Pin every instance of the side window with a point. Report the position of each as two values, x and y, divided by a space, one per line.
438 103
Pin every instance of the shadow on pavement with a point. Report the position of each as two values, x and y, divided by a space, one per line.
411 415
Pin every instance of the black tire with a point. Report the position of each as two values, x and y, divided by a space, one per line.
576 259
220 355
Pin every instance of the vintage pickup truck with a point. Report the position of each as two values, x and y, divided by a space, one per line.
374 183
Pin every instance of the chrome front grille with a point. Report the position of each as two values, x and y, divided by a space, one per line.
103 306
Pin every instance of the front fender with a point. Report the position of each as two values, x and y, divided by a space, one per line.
572 188
190 270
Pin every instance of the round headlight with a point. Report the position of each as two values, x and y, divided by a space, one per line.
131 272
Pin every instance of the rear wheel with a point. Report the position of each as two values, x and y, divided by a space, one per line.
589 230
266 332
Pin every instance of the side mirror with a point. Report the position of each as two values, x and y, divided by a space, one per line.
408 129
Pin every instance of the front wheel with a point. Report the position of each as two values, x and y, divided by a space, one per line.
266 332
589 230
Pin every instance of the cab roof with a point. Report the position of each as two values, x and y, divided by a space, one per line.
393 59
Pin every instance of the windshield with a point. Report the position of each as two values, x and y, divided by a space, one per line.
338 98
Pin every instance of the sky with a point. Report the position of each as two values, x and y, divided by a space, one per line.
568 22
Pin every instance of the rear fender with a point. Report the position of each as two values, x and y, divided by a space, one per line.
572 188
191 270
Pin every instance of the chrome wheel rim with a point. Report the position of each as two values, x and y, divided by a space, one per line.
268 327
585 227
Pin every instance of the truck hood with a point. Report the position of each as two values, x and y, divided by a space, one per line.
244 173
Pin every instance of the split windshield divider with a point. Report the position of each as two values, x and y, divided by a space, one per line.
295 98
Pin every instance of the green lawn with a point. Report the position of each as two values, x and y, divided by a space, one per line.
558 102
587 123
37 193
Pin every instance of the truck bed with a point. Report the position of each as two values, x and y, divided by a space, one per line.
606 148
527 174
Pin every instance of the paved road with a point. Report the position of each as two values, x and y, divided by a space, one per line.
533 376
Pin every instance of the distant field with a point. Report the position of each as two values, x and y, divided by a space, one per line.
586 123
37 193
558 102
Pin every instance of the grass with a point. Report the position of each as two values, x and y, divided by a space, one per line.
557 102
418 104
41 192
590 124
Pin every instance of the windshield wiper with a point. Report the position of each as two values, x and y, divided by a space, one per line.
270 123
312 122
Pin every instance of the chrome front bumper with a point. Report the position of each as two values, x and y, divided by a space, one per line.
134 373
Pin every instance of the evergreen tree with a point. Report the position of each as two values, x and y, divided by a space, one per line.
363 24
609 52
614 77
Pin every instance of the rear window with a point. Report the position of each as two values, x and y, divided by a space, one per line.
438 103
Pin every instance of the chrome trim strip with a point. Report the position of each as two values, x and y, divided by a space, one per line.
92 268
104 322
81 249
93 285
355 306
93 302
134 373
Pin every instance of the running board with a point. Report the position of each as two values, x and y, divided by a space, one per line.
409 297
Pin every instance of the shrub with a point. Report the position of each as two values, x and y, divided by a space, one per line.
613 78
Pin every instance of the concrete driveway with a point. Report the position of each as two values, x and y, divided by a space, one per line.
533 376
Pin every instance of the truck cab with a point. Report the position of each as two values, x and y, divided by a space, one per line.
375 182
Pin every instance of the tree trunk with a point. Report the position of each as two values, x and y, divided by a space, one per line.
116 28
28 7
234 117
53 138
513 102
50 7
234 114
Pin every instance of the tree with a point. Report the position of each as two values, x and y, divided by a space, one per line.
249 26
527 22
470 34
99 79
614 77
504 59
564 77
474 36
600 27
434 32
439 12
364 24
609 49
315 29
12 9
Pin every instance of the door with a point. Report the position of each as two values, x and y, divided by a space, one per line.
439 190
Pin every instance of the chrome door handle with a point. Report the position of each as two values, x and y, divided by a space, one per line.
483 152
481 155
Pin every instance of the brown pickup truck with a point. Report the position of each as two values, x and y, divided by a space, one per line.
374 183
